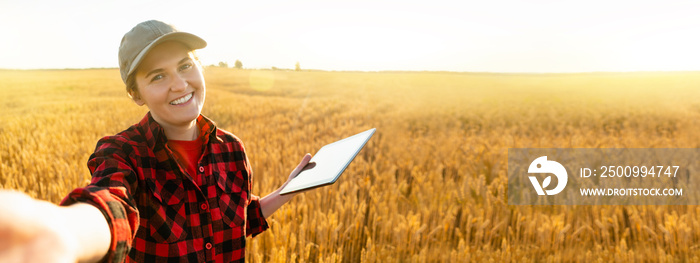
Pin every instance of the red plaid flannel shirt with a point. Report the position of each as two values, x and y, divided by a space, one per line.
156 212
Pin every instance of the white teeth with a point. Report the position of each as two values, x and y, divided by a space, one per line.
181 100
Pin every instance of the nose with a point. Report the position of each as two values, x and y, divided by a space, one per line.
179 83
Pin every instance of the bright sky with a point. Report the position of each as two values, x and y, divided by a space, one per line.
458 35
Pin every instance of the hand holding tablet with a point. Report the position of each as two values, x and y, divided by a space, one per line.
328 163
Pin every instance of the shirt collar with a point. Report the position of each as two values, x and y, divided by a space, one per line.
155 135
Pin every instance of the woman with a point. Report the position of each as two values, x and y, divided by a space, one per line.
172 187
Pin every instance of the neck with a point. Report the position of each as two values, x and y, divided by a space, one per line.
187 132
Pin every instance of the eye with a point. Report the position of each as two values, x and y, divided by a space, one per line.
185 66
157 77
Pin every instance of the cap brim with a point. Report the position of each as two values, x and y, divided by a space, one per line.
191 41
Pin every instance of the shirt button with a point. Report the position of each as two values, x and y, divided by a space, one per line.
201 169
208 245
204 206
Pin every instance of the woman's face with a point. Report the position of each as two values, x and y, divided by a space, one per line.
171 84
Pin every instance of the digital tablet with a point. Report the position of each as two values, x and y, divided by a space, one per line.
328 163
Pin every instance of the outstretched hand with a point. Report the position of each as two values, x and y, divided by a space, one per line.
34 230
304 162
270 203
31 231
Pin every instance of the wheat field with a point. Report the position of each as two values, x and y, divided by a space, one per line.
430 186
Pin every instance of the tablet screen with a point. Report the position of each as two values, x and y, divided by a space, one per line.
330 161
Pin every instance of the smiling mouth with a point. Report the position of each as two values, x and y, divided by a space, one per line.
182 99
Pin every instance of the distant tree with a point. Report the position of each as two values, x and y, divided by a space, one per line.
223 64
275 68
238 64
297 67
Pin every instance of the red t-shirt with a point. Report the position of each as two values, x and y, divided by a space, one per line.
187 154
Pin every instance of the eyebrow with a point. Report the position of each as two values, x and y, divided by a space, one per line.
158 70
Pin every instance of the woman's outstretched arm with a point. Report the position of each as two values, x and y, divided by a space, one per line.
34 230
273 201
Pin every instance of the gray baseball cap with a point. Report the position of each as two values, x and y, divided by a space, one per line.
146 35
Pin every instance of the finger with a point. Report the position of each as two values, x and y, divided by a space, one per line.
304 162
308 166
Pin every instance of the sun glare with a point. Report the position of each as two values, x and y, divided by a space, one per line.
261 80
504 36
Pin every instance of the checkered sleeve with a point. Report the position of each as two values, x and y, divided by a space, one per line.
256 222
113 181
